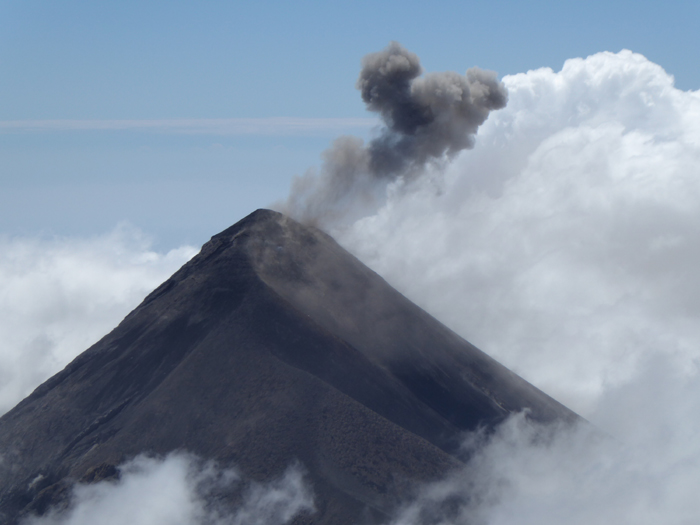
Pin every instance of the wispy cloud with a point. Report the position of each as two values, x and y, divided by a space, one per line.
233 126
182 489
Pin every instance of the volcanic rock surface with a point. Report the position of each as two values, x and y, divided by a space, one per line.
272 345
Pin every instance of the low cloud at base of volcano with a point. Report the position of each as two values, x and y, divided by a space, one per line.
182 489
527 474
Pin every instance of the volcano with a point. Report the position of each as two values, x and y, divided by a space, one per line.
273 345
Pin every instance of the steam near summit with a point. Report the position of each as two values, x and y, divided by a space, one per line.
426 119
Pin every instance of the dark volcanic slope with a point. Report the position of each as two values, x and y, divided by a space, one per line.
273 344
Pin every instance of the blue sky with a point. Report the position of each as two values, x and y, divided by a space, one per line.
107 62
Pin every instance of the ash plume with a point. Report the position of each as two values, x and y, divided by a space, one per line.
426 119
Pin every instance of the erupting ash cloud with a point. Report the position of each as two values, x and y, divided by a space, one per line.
427 119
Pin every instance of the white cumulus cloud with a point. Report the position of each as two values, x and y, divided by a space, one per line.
58 296
567 246
566 243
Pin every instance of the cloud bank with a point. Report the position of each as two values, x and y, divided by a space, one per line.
59 296
527 474
566 245
181 489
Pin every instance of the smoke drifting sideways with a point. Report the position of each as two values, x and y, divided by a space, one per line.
182 489
426 121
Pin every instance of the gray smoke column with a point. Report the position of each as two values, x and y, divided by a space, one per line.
426 119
